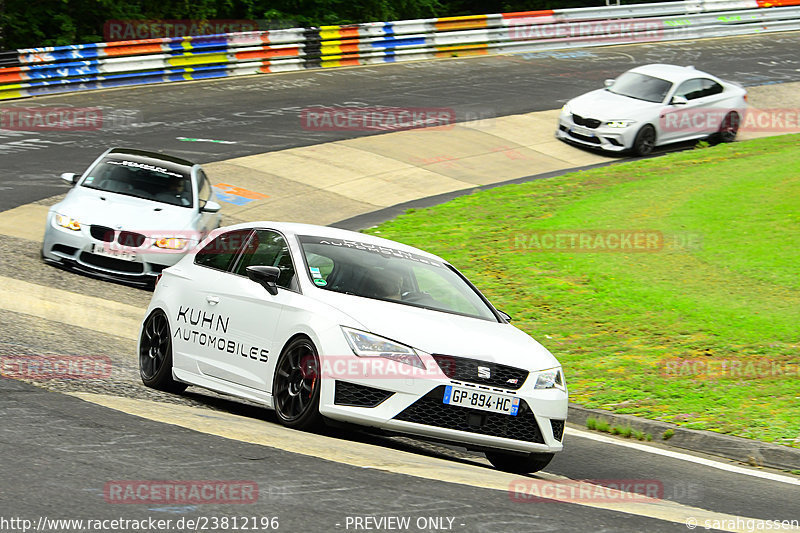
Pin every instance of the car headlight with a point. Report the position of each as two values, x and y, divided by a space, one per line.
619 123
550 379
171 243
366 344
566 109
67 222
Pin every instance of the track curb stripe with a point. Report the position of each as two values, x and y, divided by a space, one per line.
363 455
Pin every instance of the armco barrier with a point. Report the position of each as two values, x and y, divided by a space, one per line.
50 70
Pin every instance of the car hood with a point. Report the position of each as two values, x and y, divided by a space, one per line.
94 207
436 332
605 105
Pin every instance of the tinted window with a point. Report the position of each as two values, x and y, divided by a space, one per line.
220 252
268 248
142 180
691 89
711 87
641 87
382 273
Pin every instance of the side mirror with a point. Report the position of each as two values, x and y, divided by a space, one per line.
70 177
266 276
210 207
505 316
608 83
679 100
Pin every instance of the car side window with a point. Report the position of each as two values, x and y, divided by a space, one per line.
691 89
269 248
203 188
220 253
710 87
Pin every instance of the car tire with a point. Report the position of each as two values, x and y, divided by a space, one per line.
645 141
155 354
296 386
728 128
519 463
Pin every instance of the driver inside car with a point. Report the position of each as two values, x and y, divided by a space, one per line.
384 283
175 193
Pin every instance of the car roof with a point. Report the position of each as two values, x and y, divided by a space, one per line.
672 73
145 156
296 228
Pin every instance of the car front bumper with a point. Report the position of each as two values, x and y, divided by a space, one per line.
76 250
600 138
415 406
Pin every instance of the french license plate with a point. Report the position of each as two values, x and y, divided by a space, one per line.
483 400
581 131
101 249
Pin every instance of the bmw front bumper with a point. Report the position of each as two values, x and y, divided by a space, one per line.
601 137
77 249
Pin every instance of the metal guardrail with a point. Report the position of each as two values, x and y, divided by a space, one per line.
50 70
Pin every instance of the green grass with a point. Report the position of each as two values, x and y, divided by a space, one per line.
621 322
622 431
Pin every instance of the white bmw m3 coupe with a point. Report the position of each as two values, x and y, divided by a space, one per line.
131 214
324 324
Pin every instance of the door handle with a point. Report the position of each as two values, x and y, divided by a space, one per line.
213 300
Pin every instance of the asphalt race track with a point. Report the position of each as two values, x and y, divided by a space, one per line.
59 452
260 114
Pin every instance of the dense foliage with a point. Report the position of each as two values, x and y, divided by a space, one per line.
25 23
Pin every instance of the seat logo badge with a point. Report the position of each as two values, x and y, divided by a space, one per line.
484 372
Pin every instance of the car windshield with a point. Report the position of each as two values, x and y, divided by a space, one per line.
141 180
641 87
383 273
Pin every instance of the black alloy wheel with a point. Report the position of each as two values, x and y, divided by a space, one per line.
295 389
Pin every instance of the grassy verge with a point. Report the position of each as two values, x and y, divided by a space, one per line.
703 332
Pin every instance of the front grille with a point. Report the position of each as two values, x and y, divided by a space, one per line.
359 395
464 369
558 428
585 138
102 233
588 122
430 411
130 239
109 263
